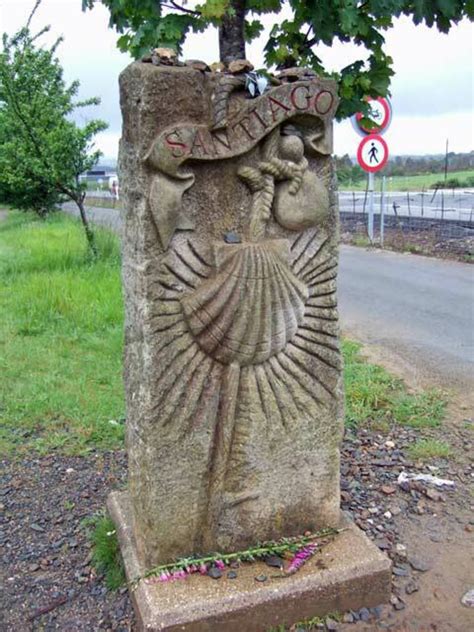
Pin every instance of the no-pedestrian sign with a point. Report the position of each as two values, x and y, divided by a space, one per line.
380 113
372 153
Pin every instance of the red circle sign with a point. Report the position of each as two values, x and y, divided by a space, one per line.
381 115
372 153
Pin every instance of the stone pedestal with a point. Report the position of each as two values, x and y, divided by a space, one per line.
350 573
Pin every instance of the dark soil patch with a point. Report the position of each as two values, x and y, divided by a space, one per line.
47 581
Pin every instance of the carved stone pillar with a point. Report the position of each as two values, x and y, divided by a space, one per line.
232 365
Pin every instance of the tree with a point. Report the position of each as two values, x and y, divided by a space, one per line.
42 151
145 24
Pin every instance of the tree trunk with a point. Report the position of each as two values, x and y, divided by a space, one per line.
231 33
87 228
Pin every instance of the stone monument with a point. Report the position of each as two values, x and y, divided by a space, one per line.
232 365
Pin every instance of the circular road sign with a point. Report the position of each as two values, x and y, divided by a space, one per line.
372 153
380 113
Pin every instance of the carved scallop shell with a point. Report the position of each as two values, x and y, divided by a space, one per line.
251 308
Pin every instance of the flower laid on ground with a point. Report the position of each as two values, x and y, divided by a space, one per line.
301 557
301 547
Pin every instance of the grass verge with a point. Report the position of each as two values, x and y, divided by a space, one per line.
425 449
60 337
374 397
106 556
61 318
411 183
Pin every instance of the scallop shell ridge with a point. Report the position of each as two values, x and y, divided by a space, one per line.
251 308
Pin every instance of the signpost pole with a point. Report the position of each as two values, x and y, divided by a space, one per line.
370 223
382 211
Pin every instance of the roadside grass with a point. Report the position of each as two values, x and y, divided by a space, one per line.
425 449
106 556
409 183
60 337
375 398
61 318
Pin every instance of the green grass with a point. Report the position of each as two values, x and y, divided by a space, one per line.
60 337
374 397
61 318
425 449
408 183
106 556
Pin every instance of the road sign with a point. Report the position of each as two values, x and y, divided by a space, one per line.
380 113
372 153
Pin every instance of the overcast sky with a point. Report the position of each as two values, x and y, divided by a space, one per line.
432 91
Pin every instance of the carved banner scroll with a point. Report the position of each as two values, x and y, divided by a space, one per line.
256 119
233 369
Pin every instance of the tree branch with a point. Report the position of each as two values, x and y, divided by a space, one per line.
175 5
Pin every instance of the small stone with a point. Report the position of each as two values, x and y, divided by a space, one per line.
399 605
166 53
261 578
217 66
70 470
348 618
33 567
274 561
389 444
377 611
400 571
411 587
166 56
395 510
387 515
401 550
433 494
331 625
214 572
419 564
468 599
364 614
232 575
232 238
240 65
197 64
388 489
36 527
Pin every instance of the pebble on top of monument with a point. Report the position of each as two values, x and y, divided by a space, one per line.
232 363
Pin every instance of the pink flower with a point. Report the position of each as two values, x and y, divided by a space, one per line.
203 569
301 557
220 564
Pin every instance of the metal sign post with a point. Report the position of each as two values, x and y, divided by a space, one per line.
370 221
382 210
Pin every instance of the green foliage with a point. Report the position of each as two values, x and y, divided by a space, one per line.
375 397
429 449
61 318
106 553
145 24
42 151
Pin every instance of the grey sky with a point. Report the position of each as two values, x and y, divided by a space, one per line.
433 90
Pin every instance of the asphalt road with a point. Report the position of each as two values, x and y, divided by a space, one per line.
416 311
420 310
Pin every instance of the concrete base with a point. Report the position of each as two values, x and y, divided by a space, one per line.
349 573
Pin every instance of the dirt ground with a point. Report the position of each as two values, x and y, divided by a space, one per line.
421 242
